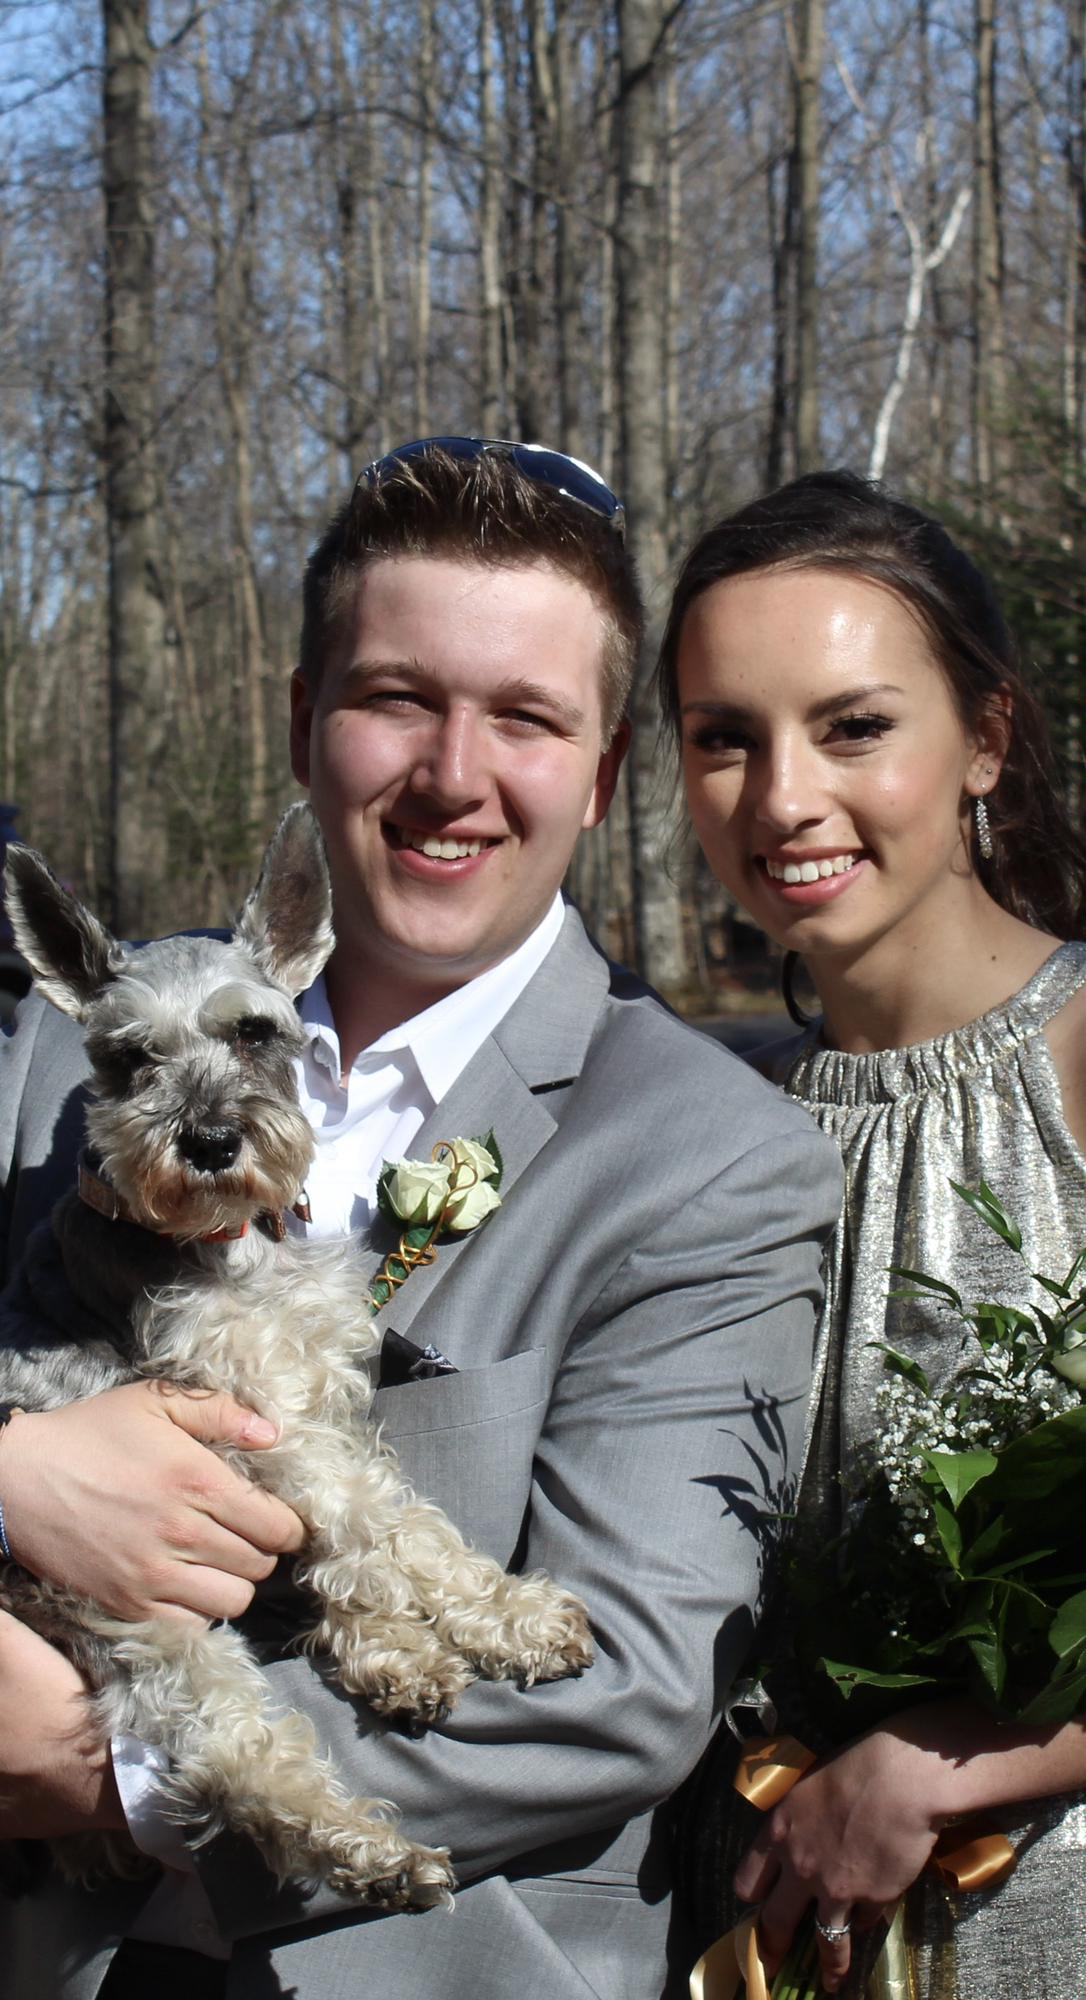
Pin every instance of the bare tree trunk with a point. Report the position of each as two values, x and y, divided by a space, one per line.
1074 312
139 715
808 176
570 340
989 350
938 345
782 211
641 23
422 292
491 401
673 307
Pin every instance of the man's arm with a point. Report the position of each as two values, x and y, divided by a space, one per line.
677 1416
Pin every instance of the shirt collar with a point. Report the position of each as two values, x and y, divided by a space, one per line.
444 1037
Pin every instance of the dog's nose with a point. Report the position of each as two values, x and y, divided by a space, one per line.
209 1148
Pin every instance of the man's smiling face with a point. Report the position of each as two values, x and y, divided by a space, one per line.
453 751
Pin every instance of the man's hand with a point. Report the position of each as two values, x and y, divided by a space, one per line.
120 1498
55 1772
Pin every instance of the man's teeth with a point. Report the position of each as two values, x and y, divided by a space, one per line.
439 850
809 871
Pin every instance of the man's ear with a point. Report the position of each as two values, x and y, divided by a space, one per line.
301 726
71 953
991 736
287 920
607 770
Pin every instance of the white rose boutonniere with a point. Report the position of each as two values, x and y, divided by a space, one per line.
447 1195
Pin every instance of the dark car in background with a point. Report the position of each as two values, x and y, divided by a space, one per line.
14 970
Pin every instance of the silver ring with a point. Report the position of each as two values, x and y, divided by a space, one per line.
832 1933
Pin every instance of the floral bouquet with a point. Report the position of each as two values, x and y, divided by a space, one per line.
961 1566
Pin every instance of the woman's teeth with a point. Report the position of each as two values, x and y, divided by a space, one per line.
438 850
809 871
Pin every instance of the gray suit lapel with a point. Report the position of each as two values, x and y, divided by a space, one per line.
540 1045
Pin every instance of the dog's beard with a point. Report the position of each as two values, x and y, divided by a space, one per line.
167 1193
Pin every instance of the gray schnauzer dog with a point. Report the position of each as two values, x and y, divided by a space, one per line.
196 1132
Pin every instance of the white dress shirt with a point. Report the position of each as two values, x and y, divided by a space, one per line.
359 1122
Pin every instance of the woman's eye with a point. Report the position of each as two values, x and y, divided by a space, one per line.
860 728
717 741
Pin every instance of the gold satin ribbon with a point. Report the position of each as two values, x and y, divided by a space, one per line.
769 1766
732 1964
969 1857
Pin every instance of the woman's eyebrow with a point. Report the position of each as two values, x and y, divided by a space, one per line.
832 704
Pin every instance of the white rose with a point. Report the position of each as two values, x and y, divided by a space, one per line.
468 1209
1071 1364
476 1157
418 1190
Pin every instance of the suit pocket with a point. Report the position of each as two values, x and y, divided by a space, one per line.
467 1441
471 1396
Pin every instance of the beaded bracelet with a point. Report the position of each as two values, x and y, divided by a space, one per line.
7 1411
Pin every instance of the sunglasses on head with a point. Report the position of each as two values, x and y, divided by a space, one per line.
565 475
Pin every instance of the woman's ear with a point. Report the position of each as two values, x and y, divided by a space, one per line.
991 738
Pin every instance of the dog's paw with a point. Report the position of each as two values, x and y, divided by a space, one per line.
543 1635
563 1651
420 1696
417 1878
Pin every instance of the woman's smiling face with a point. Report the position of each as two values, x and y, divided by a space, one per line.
826 764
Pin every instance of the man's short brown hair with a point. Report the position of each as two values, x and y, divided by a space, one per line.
486 510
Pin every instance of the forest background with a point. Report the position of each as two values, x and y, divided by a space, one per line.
247 246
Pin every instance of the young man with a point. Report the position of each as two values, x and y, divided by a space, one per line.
629 1337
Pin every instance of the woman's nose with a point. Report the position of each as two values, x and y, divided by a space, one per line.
788 788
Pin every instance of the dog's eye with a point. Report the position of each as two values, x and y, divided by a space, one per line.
254 1031
120 1063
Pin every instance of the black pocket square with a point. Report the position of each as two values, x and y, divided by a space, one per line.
402 1361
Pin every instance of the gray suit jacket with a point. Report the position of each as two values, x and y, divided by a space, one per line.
633 1332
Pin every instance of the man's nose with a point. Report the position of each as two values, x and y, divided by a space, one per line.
452 770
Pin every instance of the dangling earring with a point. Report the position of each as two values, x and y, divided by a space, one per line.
984 829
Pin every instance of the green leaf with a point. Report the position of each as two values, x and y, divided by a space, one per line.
903 1364
847 1679
1067 1631
1058 1291
991 1211
1063 1697
927 1284
959 1471
989 1656
950 1533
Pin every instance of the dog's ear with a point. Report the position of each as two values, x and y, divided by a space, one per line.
71 953
287 920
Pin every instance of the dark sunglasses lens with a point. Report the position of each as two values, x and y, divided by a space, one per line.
549 468
553 468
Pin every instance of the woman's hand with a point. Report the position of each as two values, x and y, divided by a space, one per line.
849 1838
55 1772
120 1498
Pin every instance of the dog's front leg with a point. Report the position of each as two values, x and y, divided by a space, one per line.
411 1614
236 1763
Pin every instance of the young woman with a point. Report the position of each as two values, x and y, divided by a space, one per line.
870 777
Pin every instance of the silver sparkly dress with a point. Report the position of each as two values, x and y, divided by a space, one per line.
983 1101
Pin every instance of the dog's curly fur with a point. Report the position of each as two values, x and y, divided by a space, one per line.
197 1127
